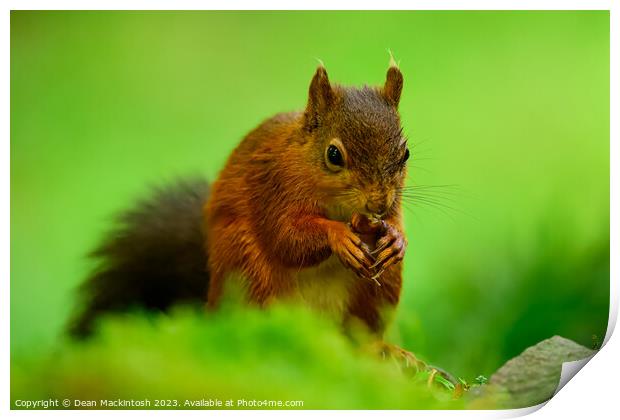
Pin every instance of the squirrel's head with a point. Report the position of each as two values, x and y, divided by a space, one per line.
358 143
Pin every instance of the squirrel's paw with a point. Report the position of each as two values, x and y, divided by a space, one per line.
390 250
407 361
352 251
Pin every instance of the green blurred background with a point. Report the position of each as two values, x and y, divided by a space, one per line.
509 110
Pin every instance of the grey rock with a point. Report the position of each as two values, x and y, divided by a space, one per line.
532 377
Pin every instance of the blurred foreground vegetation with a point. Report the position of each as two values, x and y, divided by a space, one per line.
238 353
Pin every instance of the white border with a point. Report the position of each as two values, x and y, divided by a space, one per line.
614 150
592 392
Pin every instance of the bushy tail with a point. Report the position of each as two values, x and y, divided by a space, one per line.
154 258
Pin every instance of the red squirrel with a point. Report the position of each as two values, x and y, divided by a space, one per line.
290 208
307 209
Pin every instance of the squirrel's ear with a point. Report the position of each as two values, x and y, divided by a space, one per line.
320 97
393 84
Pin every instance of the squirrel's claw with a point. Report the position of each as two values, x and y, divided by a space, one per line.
352 252
391 234
390 250
355 263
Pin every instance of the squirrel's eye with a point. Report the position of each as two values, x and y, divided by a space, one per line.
406 157
334 157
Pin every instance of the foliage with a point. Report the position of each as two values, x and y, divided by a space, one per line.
237 353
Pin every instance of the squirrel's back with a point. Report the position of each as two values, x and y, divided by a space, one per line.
276 127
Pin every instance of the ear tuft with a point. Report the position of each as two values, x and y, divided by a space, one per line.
393 62
393 82
320 97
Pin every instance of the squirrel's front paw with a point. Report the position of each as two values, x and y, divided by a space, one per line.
390 250
351 250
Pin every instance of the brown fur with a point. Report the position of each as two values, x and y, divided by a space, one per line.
277 209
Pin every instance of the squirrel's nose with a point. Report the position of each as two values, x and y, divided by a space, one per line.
375 208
